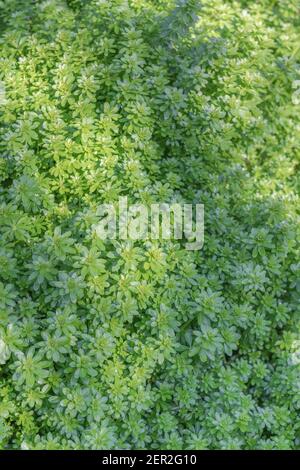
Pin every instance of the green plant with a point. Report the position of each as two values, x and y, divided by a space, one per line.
144 345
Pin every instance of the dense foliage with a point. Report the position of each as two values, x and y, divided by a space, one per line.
117 344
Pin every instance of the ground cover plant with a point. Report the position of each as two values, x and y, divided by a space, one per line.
142 344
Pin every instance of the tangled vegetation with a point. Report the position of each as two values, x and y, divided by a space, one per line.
111 344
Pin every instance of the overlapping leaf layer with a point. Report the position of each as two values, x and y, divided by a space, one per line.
143 344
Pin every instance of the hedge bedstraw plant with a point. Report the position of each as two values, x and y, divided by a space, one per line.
111 344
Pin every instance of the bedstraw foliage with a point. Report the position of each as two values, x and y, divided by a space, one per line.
142 344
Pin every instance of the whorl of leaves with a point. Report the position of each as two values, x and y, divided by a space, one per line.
143 344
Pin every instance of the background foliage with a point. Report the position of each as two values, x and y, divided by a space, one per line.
145 345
